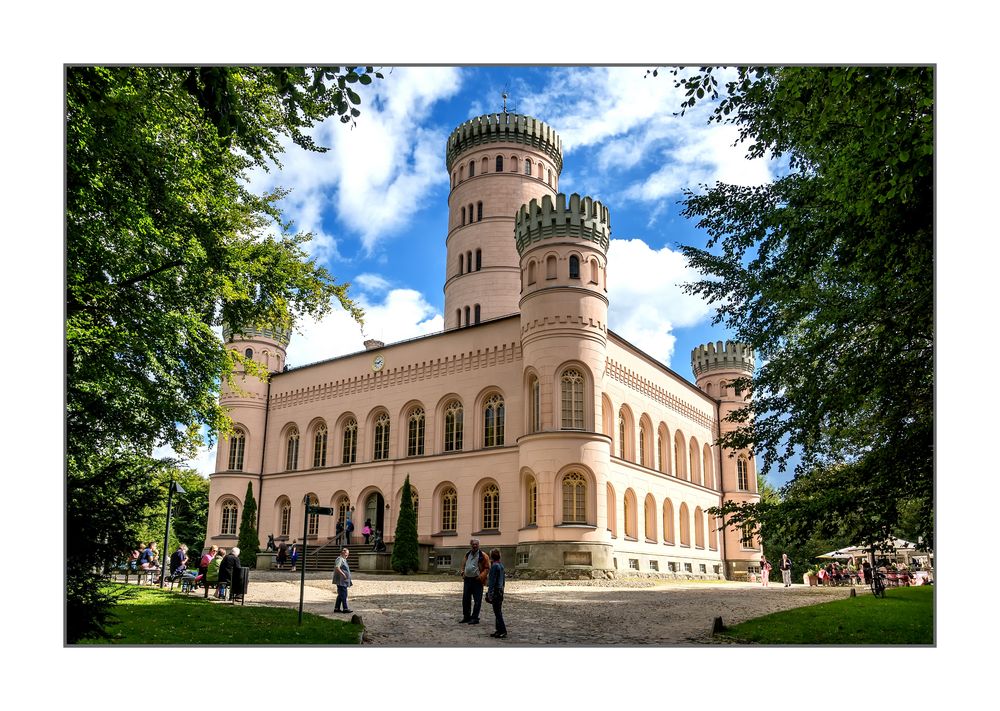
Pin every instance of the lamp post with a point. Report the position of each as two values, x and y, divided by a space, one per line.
174 486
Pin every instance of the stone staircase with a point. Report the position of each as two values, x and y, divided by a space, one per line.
325 556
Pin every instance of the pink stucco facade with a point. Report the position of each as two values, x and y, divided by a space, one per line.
605 462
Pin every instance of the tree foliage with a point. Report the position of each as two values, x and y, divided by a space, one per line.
827 272
164 243
249 541
405 550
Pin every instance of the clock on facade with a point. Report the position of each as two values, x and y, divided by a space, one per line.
377 363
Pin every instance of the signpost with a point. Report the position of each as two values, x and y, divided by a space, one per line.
310 509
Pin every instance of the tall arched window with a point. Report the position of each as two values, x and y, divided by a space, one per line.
467 316
415 433
499 164
292 450
319 447
476 312
343 506
713 533
461 264
574 267
527 166
642 446
594 271
285 519
453 426
621 435
479 257
472 168
350 441
531 272
572 399
449 510
229 511
699 528
707 467
695 456
574 491
493 421
491 508
659 452
485 166
685 521
649 518
550 267
535 405
479 214
679 467
630 515
463 220
612 512
381 437
742 480
313 525
237 446
531 502
668 522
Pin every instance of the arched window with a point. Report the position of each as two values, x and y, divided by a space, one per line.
472 168
491 508
479 213
467 318
713 533
485 166
479 256
527 166
742 480
550 267
248 352
659 452
574 491
461 173
594 273
319 447
343 506
493 422
449 510
350 441
695 454
707 468
453 426
699 528
237 446
612 512
630 515
574 267
454 179
285 519
668 522
468 255
531 502
535 405
476 313
415 433
548 175
679 467
642 446
515 162
229 511
463 218
313 525
381 437
531 272
292 450
499 164
649 518
621 436
685 521
572 399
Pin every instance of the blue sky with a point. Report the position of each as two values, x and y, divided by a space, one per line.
377 201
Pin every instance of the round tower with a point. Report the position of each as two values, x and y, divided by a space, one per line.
496 163
716 366
563 457
246 399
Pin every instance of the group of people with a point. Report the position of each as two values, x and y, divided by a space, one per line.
287 554
785 566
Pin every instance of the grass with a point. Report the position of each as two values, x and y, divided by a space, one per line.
904 616
148 615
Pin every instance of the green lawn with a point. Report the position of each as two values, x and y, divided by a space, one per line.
149 615
904 616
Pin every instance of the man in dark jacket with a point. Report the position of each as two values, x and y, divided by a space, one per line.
229 564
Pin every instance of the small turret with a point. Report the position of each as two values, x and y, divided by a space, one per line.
719 356
583 219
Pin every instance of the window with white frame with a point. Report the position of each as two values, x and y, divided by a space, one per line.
493 421
574 489
633 563
491 508
350 455
415 433
237 446
742 480
449 510
531 505
572 399
285 525
381 450
229 511
292 450
319 446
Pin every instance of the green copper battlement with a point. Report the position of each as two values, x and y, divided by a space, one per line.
505 128
282 337
719 356
584 218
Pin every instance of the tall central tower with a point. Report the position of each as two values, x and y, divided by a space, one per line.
496 164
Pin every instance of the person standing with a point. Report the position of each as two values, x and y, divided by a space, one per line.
366 530
282 556
349 526
342 579
494 593
474 574
765 570
786 570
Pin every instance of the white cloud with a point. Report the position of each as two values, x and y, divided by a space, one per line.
647 303
390 315
376 174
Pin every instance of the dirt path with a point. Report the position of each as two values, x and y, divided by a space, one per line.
423 611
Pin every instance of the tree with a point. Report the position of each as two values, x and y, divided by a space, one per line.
827 272
249 541
165 242
190 514
405 551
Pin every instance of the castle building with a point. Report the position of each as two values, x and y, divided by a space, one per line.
526 423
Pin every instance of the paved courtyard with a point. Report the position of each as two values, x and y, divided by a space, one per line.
424 610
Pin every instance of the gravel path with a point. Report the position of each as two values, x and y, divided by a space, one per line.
424 610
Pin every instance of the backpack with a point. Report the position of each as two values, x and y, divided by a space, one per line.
350 525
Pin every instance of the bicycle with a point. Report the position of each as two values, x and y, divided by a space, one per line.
878 583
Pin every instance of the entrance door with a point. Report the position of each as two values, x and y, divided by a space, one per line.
374 510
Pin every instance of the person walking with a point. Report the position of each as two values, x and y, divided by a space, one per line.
474 574
342 579
366 530
494 593
765 570
786 570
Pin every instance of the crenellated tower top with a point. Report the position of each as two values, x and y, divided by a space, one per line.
719 356
505 128
282 337
584 218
